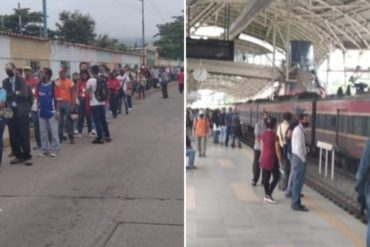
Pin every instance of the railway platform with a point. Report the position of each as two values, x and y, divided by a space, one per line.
224 210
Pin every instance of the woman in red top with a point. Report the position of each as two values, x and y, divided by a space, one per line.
113 86
180 80
270 155
84 106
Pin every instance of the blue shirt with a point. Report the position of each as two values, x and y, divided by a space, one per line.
46 100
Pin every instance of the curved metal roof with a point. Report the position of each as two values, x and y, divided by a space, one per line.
328 24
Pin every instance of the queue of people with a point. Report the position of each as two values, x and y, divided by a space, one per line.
276 147
59 108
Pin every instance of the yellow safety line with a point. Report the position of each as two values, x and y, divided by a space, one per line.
244 192
335 222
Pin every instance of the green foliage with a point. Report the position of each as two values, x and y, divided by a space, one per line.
171 41
104 41
76 27
31 22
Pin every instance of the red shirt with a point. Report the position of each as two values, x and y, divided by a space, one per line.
113 85
268 158
81 89
180 78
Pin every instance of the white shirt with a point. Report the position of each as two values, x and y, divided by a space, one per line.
91 86
299 142
281 131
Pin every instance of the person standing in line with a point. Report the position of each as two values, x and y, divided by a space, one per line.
363 186
155 76
17 97
65 93
32 82
48 114
98 109
164 82
299 159
128 87
201 129
123 78
258 131
142 83
236 130
222 126
216 126
270 155
180 80
2 122
190 153
84 101
288 138
228 123
281 132
113 86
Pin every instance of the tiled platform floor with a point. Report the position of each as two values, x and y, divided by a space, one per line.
224 210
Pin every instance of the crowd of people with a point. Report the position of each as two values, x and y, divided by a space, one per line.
59 108
279 149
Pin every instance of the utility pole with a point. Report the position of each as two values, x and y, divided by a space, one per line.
45 32
143 29
18 11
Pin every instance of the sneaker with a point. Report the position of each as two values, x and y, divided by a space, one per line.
75 131
108 139
43 154
28 162
254 183
97 141
300 208
16 161
91 134
53 154
270 199
64 138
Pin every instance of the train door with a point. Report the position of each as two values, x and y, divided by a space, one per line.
341 132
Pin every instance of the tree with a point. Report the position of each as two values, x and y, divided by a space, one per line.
104 41
31 22
76 27
171 41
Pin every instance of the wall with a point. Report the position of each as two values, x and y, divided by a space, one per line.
131 60
4 55
24 50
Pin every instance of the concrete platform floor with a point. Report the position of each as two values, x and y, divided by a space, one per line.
224 210
125 193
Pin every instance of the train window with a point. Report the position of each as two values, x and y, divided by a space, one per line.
343 124
322 121
331 121
357 125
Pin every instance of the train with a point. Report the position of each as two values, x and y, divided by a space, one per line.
342 121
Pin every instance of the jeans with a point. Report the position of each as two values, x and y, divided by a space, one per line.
164 90
2 127
201 145
141 91
101 125
228 133
223 134
19 134
215 136
113 103
299 171
256 166
49 130
82 115
191 154
36 127
65 119
181 88
288 191
129 101
235 136
266 175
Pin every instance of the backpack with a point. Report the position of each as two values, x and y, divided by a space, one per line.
101 92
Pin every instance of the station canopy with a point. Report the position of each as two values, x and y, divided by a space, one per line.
328 24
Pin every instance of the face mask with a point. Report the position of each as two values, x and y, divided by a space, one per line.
10 73
201 116
305 124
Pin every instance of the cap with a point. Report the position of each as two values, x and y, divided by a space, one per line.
27 68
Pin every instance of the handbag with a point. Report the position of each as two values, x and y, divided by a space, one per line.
6 112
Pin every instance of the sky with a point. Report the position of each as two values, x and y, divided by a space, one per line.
120 19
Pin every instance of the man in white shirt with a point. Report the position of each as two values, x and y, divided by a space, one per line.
97 109
299 160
